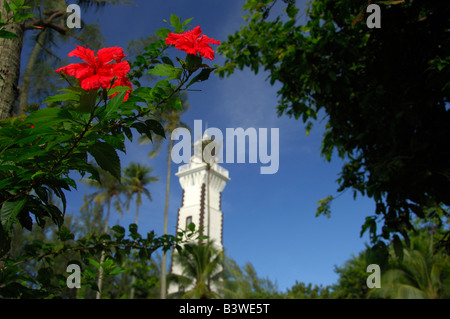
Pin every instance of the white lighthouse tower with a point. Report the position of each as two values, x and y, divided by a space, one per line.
202 185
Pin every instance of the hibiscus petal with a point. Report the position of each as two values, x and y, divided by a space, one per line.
123 81
107 55
84 54
91 82
96 82
105 78
195 32
120 69
192 43
187 46
204 48
205 39
206 51
172 38
78 70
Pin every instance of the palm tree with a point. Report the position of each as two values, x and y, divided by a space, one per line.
137 176
109 189
244 283
422 274
202 269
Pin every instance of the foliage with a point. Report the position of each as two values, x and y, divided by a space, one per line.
352 277
202 270
137 177
16 12
169 118
109 190
423 272
244 283
39 151
384 93
302 291
15 283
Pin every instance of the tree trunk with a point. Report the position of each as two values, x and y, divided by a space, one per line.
98 295
166 210
137 212
133 277
26 78
10 50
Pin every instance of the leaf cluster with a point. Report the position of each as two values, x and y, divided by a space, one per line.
384 93
156 61
16 12
39 151
15 282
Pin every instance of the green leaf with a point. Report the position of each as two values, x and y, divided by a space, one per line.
5 241
117 89
128 133
7 35
114 103
398 247
187 21
143 129
69 96
370 223
106 157
64 234
191 227
10 211
115 271
167 60
42 192
7 7
19 17
87 101
118 229
162 83
94 263
175 22
133 228
292 11
156 127
202 76
175 103
166 70
143 92
162 33
324 206
48 116
193 61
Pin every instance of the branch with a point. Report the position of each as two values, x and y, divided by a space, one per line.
48 22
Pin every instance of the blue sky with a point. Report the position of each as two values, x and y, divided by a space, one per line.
269 220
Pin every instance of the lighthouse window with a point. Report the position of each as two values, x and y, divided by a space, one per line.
188 220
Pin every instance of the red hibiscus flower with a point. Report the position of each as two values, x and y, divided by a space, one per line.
123 81
192 43
98 71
